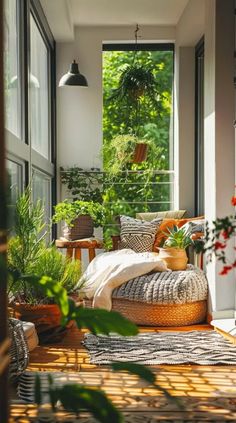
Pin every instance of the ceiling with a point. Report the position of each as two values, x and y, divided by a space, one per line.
64 15
127 12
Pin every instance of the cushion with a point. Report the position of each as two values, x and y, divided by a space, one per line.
198 220
169 214
30 335
138 235
177 287
197 224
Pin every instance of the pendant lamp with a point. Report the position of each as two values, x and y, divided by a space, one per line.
73 77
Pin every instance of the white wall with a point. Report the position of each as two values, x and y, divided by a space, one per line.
189 31
219 134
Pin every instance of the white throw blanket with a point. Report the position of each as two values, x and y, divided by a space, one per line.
110 270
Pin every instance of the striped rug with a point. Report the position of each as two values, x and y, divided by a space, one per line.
194 347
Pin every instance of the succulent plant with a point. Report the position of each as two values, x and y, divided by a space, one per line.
178 237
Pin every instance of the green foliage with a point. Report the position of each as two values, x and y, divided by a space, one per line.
138 187
101 321
58 267
76 398
84 185
29 255
26 247
68 211
136 369
121 152
178 237
136 80
117 116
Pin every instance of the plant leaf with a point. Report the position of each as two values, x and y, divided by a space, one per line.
37 390
75 398
137 369
100 321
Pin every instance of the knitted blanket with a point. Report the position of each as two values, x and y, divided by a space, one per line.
177 287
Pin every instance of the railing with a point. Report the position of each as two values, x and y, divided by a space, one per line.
129 192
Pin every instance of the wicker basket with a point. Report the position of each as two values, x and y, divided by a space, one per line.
82 228
159 314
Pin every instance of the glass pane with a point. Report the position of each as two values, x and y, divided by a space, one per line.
14 187
42 191
11 68
39 91
139 101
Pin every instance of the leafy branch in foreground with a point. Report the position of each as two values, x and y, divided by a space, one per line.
74 397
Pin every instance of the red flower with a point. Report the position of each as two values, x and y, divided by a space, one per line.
226 270
219 245
225 233
233 200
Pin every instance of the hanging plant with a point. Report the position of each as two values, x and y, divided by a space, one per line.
136 81
126 149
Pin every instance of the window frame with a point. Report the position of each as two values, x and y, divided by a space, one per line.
21 148
155 46
199 129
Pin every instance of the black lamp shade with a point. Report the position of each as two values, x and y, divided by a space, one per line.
73 77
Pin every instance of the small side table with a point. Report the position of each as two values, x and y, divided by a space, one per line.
73 248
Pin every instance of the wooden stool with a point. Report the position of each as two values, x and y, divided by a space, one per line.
73 248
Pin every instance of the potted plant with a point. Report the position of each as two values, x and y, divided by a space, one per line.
173 251
28 255
125 149
79 218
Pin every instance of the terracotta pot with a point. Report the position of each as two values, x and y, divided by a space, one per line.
82 228
175 258
42 315
140 153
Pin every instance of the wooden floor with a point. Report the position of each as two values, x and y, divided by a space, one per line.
207 393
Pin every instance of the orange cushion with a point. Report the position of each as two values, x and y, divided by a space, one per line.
169 223
165 224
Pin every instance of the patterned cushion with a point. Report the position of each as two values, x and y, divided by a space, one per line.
138 235
169 214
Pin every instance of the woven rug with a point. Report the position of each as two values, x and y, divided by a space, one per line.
195 347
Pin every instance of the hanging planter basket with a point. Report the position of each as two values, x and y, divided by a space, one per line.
83 227
140 153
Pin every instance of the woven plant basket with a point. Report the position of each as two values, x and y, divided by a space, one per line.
144 314
175 258
82 228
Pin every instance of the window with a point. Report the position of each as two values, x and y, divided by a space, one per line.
14 187
30 98
146 186
12 68
39 91
42 191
